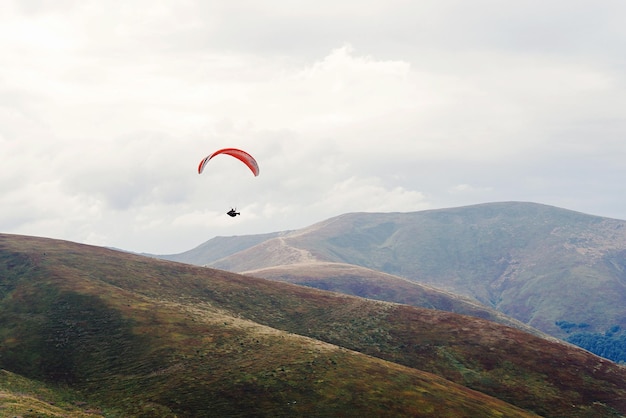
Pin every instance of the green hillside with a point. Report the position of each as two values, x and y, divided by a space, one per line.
359 281
142 337
21 397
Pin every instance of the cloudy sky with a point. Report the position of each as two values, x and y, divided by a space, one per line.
107 107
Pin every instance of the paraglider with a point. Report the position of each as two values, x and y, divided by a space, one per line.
242 156
232 213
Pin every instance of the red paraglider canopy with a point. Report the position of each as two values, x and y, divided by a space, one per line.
243 156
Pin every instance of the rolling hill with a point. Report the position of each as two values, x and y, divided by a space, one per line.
556 270
359 281
22 397
136 336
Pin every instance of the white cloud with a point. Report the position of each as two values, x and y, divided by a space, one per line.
466 188
106 109
369 195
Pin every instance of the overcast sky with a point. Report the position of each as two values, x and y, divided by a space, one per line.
107 107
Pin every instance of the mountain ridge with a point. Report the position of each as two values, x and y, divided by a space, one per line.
145 337
539 264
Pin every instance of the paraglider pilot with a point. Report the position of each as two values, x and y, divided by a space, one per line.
232 212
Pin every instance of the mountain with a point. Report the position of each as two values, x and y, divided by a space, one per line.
136 336
218 247
557 270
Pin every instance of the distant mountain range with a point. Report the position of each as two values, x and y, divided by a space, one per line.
560 271
89 331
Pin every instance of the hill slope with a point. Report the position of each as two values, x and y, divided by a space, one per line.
359 281
541 265
21 397
144 337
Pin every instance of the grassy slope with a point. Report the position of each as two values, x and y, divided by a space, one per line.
359 281
21 397
134 335
153 337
